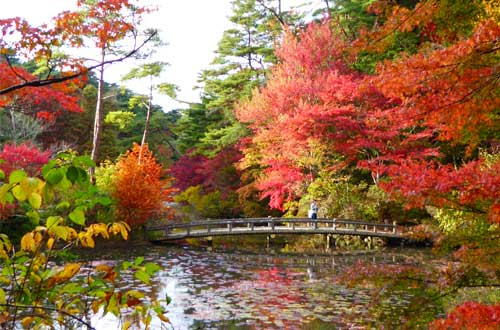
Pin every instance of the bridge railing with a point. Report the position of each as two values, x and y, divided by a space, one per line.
252 223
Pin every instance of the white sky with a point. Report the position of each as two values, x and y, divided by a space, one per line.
192 30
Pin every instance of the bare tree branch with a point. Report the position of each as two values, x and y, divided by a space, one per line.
273 11
55 80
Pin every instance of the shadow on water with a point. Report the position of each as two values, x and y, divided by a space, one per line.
223 289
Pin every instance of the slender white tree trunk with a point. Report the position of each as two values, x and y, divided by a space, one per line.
98 116
148 119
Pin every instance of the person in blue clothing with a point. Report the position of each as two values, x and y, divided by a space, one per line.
313 210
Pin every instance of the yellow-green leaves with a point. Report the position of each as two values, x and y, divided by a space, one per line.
16 176
5 246
5 194
2 296
22 188
69 270
53 221
120 228
78 216
31 241
35 200
56 205
54 176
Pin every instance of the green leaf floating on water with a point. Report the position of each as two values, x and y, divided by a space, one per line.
142 276
138 261
151 268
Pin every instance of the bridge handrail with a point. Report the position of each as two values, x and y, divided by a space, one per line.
246 221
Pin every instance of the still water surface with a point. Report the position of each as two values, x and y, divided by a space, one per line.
241 290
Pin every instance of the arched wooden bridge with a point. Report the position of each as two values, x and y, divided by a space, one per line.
272 226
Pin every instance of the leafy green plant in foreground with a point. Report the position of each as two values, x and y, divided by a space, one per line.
34 291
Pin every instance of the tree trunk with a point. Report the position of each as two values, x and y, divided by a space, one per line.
97 119
148 119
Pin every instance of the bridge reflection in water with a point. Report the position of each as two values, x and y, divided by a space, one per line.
273 226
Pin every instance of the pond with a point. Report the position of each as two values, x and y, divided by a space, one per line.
270 290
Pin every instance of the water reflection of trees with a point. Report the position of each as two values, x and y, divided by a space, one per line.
269 291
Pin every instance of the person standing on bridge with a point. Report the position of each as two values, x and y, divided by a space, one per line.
313 210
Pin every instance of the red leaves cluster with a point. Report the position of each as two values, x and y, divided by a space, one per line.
394 122
470 315
139 190
452 92
43 102
217 173
101 22
311 99
187 171
24 156
473 186
108 21
282 183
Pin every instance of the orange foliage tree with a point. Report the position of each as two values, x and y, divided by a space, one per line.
139 190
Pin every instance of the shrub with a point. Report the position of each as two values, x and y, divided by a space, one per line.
138 189
24 156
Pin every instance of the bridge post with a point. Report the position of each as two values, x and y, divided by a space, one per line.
329 242
394 228
268 244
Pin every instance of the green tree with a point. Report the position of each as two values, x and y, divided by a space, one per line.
149 71
244 55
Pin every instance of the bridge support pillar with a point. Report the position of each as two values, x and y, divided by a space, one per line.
329 242
369 242
210 241
268 241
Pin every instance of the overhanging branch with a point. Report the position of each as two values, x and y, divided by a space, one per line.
55 80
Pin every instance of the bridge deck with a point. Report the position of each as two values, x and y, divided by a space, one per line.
269 226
